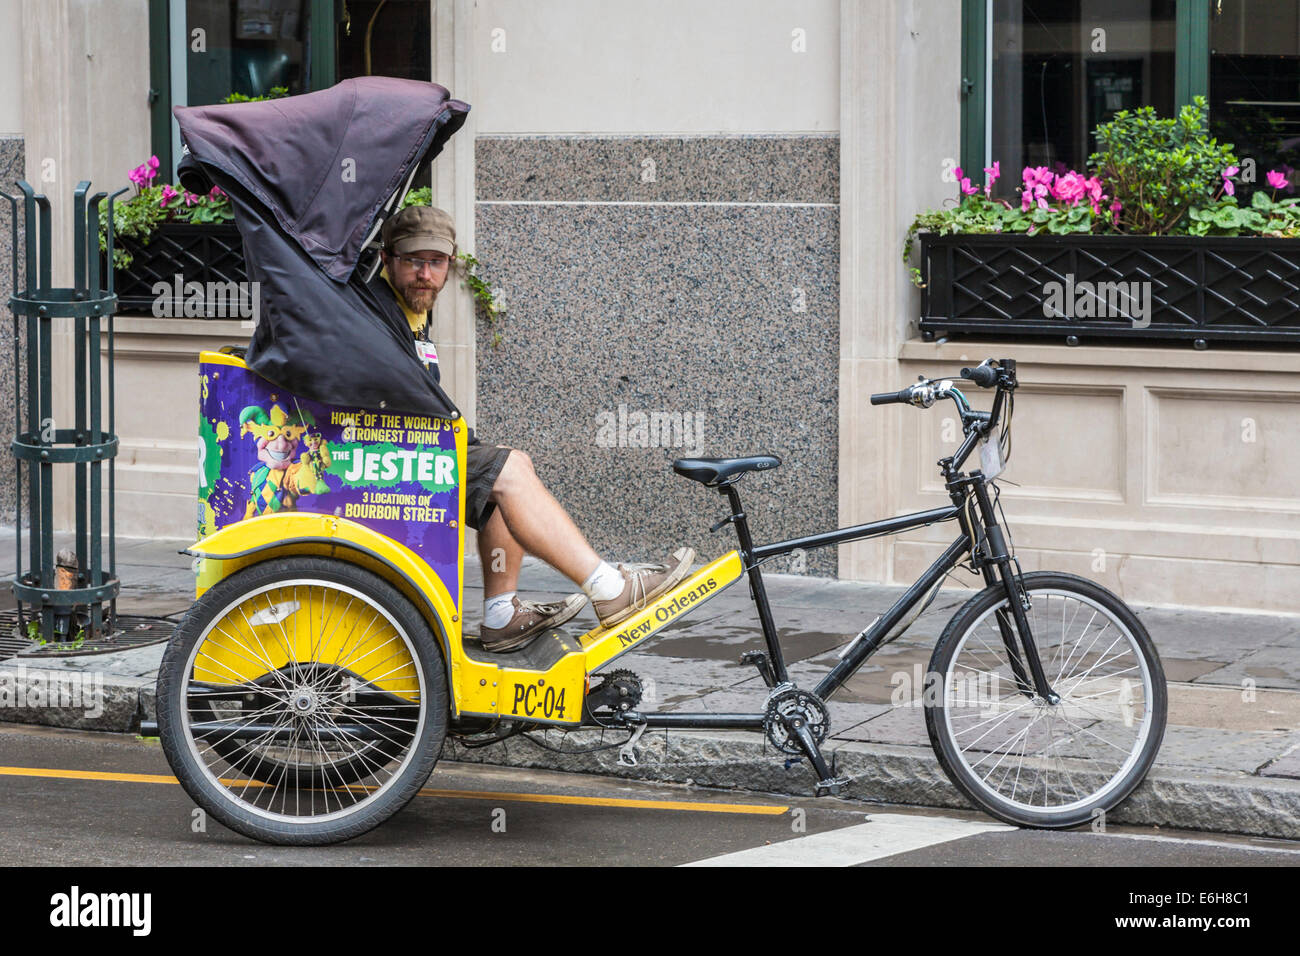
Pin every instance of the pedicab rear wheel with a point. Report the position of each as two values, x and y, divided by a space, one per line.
302 701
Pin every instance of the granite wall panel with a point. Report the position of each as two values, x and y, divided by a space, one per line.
642 330
11 170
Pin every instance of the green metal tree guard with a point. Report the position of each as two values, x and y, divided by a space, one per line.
39 445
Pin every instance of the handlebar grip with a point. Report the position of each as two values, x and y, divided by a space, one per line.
982 375
903 396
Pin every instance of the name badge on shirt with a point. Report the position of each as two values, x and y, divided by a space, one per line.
427 351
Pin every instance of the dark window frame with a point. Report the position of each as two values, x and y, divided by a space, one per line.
1191 71
323 25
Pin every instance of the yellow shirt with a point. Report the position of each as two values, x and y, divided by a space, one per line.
414 319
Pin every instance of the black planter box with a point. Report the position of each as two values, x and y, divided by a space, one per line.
197 253
1200 289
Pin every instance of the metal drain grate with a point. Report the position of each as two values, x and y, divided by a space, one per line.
133 631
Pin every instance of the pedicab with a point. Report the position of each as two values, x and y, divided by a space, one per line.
306 696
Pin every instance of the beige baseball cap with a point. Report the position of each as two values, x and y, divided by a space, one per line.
419 229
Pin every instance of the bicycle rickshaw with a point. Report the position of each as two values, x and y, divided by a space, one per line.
307 694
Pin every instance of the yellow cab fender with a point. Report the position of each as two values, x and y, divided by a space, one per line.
266 537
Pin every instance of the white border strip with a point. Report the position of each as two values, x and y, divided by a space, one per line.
885 834
620 202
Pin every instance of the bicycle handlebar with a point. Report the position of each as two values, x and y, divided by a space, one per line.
985 376
902 396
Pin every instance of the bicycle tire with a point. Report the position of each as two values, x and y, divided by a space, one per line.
343 603
1102 700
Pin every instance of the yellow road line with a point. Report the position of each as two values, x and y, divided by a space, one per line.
754 808
556 798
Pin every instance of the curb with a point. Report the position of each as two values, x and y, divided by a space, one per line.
72 698
878 773
881 773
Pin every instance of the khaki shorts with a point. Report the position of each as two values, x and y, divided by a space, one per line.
483 468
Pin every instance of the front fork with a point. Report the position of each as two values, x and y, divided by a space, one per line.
997 556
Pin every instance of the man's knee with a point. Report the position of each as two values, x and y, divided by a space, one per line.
515 473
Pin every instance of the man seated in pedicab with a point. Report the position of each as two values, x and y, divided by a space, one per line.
505 501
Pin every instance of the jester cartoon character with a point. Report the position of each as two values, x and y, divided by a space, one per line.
281 481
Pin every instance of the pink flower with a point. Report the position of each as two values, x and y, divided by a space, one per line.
1034 175
168 194
967 188
190 198
1276 179
1069 188
993 174
1093 190
215 193
1227 180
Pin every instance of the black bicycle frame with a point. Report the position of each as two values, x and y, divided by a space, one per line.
981 536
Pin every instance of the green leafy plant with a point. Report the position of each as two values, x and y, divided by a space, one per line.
1265 216
154 204
1059 203
275 94
34 634
1159 169
418 197
1150 176
468 265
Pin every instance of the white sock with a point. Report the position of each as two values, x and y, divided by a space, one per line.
605 583
499 609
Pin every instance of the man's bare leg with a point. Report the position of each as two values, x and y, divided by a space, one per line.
537 523
502 556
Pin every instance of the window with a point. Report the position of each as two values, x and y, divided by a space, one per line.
1040 75
202 51
1255 84
1061 67
386 38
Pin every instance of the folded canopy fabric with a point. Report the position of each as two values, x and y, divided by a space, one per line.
307 177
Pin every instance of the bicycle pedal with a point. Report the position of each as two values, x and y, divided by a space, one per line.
832 787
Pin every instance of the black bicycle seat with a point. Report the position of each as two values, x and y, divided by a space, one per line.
711 471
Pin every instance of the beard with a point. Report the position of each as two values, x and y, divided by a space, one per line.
419 298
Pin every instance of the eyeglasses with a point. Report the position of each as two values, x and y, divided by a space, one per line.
417 265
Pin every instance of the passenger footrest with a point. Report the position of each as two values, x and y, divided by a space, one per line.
541 655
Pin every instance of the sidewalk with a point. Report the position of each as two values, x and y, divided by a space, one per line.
1230 761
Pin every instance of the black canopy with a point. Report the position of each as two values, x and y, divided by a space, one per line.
309 176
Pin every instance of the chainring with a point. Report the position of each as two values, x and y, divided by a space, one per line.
619 690
795 704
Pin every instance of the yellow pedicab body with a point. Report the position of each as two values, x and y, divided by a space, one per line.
546 685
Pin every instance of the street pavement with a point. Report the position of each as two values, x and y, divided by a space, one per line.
96 799
1230 761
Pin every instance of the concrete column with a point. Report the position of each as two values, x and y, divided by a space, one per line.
453 190
85 116
899 128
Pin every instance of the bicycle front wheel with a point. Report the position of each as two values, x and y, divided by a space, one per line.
1021 759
